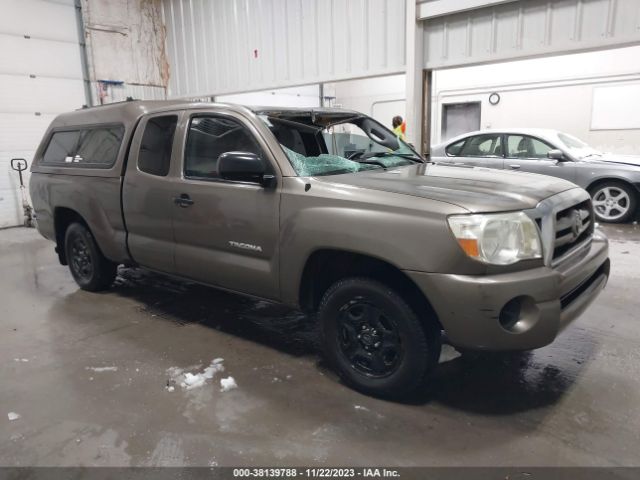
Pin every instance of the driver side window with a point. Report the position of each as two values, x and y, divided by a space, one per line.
209 137
523 146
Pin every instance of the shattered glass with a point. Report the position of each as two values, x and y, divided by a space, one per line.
324 164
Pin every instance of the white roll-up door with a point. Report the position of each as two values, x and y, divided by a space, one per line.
466 33
40 77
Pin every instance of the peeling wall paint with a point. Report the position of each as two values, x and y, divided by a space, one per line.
126 49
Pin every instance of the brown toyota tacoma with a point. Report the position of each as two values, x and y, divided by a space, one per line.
325 210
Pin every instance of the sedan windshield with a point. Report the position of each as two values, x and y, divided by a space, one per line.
577 148
332 144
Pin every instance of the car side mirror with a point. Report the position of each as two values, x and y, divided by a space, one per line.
244 167
556 155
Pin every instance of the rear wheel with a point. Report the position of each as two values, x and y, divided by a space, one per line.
90 269
613 202
374 340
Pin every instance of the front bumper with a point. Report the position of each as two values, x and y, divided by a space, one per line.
470 308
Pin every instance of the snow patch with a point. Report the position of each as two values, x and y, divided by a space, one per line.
13 416
448 353
227 384
170 388
102 369
188 380
24 360
360 407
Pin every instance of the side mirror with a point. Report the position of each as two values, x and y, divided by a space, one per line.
556 155
244 167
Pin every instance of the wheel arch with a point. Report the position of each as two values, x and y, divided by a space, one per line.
324 267
62 218
602 180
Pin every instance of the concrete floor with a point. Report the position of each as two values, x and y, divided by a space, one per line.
576 402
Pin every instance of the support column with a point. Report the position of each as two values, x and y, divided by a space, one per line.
414 79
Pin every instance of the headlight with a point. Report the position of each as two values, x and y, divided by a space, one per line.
498 239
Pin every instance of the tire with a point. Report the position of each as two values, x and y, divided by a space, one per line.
613 202
90 269
374 340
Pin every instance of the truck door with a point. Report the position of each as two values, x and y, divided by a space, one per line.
148 191
226 232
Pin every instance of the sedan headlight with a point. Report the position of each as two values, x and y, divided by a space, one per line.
497 238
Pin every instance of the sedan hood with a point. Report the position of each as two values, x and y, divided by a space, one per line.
609 158
472 188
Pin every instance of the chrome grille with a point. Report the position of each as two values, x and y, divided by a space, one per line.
573 227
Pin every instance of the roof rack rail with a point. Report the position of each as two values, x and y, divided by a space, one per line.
127 100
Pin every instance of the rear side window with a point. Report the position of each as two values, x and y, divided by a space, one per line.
453 150
91 147
157 141
483 146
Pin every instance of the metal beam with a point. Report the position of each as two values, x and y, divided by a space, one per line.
438 8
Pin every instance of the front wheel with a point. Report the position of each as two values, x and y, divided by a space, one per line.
374 340
90 269
613 202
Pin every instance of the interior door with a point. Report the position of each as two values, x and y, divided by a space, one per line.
148 190
226 232
481 151
529 154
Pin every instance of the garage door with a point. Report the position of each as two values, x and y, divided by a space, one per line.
509 29
40 77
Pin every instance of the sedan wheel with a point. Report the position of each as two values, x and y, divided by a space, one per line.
613 202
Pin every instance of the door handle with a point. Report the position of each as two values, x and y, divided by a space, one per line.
515 167
183 200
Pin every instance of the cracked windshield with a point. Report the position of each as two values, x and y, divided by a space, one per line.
322 146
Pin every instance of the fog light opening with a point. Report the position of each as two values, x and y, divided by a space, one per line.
518 315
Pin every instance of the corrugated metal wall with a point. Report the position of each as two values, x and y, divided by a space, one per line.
529 28
218 47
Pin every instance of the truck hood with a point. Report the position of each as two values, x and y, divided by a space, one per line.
475 189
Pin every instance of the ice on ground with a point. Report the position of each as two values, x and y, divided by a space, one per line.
13 416
189 381
227 384
193 381
102 369
448 353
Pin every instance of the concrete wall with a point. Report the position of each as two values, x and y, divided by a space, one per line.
555 92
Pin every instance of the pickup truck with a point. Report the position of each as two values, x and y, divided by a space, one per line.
328 211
